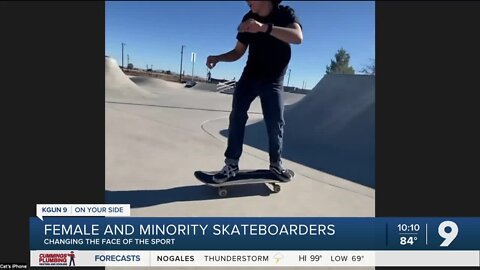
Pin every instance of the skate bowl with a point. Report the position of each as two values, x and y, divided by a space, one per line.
203 86
119 85
155 83
291 98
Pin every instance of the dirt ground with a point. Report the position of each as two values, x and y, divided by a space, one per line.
164 76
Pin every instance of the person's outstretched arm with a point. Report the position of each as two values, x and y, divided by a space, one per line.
290 34
230 56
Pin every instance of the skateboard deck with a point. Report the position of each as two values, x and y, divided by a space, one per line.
243 177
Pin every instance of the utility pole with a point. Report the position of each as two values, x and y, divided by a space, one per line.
123 45
181 62
193 62
288 82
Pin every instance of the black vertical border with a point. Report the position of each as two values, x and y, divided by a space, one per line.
52 113
427 72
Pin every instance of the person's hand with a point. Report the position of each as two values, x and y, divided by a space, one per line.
251 26
212 61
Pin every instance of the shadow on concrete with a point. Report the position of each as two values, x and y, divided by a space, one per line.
332 129
145 198
351 160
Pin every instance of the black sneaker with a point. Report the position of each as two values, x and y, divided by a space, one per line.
282 173
226 173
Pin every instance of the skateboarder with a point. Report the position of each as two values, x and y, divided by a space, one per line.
267 30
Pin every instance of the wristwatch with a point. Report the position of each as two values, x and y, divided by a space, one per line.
269 29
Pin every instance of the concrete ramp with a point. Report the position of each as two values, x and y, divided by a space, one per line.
332 129
155 84
205 86
291 98
118 85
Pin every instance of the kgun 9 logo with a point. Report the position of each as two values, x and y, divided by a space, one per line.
448 230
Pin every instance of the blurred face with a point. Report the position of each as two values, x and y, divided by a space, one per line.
261 8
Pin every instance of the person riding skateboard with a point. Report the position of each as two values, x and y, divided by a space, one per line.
267 30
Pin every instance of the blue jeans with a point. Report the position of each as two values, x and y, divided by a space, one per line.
270 93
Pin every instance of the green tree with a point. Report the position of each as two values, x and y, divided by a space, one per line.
341 64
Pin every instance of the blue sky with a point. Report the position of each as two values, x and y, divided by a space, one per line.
155 31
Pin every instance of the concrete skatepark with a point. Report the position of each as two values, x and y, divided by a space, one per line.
157 133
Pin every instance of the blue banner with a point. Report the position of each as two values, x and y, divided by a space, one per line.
306 233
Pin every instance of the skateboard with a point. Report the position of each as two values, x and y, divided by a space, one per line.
243 177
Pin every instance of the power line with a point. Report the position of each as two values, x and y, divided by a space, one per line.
123 45
193 62
181 62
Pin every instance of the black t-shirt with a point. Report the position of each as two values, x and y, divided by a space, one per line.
268 57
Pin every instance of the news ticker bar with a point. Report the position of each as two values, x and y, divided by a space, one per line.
56 258
221 233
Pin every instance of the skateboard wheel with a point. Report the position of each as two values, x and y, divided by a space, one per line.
276 188
222 192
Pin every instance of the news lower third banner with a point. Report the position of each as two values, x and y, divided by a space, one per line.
109 237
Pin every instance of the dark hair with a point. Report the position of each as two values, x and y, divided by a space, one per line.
276 2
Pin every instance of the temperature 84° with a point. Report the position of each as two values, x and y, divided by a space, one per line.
408 240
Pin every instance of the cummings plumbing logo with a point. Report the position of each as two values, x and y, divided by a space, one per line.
57 259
